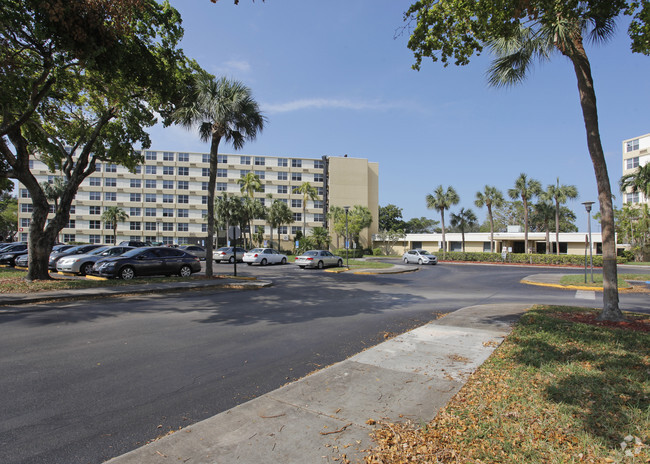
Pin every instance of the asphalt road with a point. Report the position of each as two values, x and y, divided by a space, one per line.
86 381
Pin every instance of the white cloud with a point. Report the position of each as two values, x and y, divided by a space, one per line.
232 67
331 103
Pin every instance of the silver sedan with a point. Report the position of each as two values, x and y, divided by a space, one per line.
83 264
264 256
318 258
419 257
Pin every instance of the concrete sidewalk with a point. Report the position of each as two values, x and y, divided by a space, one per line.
330 413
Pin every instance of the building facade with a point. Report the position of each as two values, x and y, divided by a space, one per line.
636 153
166 197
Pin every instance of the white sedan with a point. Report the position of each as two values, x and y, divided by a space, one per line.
318 258
264 256
419 257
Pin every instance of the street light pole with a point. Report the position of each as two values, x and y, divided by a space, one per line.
347 259
591 248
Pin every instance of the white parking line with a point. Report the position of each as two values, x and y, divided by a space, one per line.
585 295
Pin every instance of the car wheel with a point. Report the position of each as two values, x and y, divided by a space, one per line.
263 262
420 261
340 263
320 265
127 273
284 261
86 268
231 260
406 260
250 264
185 271
301 267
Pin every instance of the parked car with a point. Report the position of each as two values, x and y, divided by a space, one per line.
75 250
264 256
319 259
419 257
194 250
224 254
83 264
22 261
134 243
60 248
9 253
146 261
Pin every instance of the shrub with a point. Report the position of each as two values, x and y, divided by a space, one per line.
524 258
352 252
377 252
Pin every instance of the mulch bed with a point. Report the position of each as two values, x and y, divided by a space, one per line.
637 323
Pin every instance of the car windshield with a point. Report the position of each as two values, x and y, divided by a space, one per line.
424 252
257 250
310 253
224 249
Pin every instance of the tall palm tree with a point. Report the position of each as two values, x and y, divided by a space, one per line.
114 215
221 109
565 32
559 194
308 192
489 197
321 237
249 184
282 215
463 220
637 181
526 189
442 200
543 213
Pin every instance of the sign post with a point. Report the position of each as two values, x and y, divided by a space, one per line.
234 232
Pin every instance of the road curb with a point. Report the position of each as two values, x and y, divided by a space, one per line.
573 287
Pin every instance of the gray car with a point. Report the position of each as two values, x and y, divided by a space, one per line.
318 259
225 254
83 264
194 250
419 257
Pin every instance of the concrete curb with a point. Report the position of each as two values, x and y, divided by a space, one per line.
575 287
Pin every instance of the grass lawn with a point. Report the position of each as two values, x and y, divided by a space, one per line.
559 389
579 280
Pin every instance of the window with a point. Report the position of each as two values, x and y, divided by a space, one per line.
138 169
297 216
183 185
296 176
150 226
73 209
204 200
69 238
184 157
133 225
135 212
109 240
260 174
243 172
282 229
259 161
150 169
95 239
168 156
168 170
135 183
110 196
320 191
149 197
95 182
150 212
183 198
167 198
221 186
632 197
319 217
282 175
295 230
182 227
135 197
182 213
168 184
150 183
220 159
318 164
111 168
632 145
94 224
296 203
183 171
222 173
632 163
168 227
318 204
282 189
24 193
26 208
94 196
204 186
318 178
24 222
206 157
150 155
98 167
283 162
296 163
261 200
168 212
283 200
244 160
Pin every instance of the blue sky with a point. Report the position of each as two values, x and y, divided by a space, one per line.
332 79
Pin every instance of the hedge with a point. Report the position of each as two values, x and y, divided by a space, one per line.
574 260
352 252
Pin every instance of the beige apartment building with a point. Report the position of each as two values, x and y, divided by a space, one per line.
166 197
636 153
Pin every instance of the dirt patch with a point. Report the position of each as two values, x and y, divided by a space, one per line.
637 323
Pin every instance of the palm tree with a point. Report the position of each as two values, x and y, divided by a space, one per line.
321 237
463 220
565 33
220 109
559 194
526 189
249 184
489 197
308 193
282 215
543 213
637 181
442 200
114 215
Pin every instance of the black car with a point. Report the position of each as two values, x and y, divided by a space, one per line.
75 250
9 253
147 261
134 243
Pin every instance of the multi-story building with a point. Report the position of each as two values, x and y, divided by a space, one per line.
166 197
636 153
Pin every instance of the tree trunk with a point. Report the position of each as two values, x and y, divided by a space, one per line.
444 242
557 227
212 182
578 56
489 208
525 202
